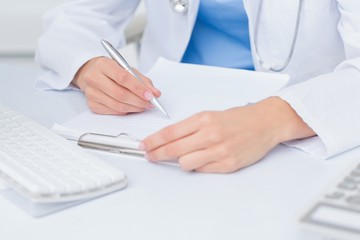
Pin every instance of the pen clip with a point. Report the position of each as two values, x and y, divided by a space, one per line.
114 54
113 147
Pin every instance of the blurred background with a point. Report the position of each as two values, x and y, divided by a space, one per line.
21 25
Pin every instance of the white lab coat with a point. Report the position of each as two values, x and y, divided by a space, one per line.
325 64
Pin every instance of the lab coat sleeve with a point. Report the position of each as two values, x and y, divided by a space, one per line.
330 103
72 33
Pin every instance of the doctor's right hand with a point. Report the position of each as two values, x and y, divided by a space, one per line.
110 89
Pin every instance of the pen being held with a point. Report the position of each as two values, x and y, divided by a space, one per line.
114 54
110 89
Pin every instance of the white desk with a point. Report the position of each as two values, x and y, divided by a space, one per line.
162 202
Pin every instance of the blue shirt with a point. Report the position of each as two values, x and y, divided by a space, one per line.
220 36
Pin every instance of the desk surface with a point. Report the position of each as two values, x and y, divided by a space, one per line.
162 202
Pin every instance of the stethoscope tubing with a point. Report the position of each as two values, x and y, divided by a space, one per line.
285 64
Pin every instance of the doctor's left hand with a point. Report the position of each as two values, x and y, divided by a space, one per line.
228 140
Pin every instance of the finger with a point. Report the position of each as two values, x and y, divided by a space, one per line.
221 165
126 80
98 96
196 159
155 91
170 134
150 84
180 147
219 153
102 109
213 167
120 93
214 152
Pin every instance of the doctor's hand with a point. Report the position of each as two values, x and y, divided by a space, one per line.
226 141
110 89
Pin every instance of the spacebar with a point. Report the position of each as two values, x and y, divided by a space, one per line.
343 218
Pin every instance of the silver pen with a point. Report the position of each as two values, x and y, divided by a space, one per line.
114 54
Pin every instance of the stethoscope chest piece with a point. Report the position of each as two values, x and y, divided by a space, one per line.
179 6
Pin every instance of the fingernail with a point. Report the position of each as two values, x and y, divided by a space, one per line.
142 146
151 106
155 89
148 95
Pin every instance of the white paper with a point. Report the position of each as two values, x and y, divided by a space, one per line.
3 185
186 89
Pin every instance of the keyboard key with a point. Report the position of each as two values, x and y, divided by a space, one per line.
334 195
347 185
354 199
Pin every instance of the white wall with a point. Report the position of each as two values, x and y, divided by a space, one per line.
20 25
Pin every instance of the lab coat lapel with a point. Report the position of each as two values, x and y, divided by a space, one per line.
183 29
275 28
167 32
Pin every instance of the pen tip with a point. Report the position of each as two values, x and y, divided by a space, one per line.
157 104
165 113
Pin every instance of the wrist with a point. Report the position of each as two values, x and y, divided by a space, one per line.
282 121
80 74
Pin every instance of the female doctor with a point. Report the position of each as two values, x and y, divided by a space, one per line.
316 42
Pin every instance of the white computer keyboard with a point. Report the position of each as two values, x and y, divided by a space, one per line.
45 168
336 213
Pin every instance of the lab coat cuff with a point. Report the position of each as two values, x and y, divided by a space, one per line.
318 146
49 80
79 62
351 63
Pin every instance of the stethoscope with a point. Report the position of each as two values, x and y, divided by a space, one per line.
182 6
179 6
276 67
